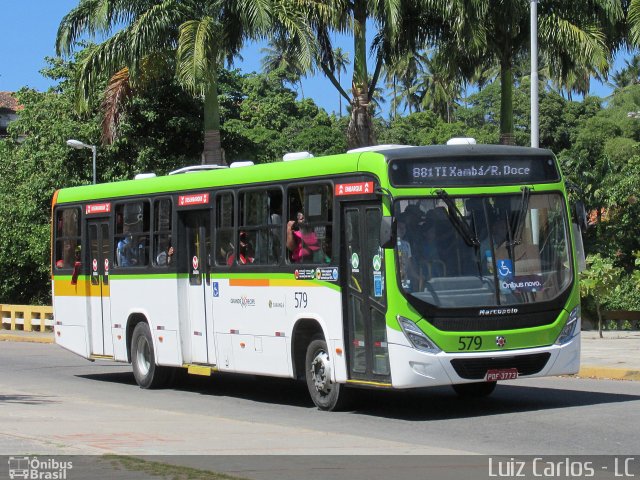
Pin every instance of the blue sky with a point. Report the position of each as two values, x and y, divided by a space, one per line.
29 30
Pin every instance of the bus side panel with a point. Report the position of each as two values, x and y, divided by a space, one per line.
254 321
155 299
70 315
184 328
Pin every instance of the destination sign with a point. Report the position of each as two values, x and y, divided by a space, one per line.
96 208
465 171
360 188
193 199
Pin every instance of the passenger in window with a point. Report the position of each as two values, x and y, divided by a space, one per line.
165 257
124 252
405 260
430 260
413 217
246 251
77 265
301 240
128 254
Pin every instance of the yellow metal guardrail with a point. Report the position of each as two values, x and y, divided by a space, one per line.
26 317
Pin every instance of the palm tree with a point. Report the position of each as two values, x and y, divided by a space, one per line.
377 100
437 88
280 57
340 62
200 34
628 75
405 70
395 24
570 39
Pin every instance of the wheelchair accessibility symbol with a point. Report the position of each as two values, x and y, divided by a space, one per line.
505 269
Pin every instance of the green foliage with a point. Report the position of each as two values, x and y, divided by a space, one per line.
271 123
598 281
35 161
604 161
160 130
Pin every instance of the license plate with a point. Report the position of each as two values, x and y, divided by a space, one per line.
502 374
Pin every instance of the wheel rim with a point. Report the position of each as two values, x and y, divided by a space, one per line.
321 372
143 355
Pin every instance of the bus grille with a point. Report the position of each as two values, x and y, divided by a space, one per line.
484 324
476 368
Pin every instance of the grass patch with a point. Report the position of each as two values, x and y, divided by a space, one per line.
164 470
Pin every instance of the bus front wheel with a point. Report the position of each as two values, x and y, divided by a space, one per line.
143 359
326 394
475 390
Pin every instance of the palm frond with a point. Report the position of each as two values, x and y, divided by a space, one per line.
197 54
633 20
116 95
570 45
95 17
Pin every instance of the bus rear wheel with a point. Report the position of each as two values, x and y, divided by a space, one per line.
475 390
143 359
326 394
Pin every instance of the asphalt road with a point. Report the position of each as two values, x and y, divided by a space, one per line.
54 402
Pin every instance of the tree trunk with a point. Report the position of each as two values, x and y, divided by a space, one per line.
360 130
395 98
339 95
212 152
506 102
599 318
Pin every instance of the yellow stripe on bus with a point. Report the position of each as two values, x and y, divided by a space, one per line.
371 384
84 288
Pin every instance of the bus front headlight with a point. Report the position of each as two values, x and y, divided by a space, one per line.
417 337
571 327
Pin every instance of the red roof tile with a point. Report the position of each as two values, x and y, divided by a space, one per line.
8 101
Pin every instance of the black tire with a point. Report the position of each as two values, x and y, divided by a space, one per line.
143 359
326 394
475 390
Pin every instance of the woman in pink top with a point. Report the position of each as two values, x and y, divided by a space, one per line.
301 240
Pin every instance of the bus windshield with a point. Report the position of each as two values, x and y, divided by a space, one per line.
483 251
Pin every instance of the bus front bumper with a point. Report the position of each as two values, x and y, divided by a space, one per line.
411 368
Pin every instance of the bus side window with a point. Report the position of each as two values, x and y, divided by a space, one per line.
310 207
132 234
260 227
67 233
163 247
224 242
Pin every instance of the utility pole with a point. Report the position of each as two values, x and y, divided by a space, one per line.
535 121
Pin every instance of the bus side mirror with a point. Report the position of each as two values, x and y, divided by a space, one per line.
76 272
580 215
387 232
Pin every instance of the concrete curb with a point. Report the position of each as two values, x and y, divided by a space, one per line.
8 337
592 371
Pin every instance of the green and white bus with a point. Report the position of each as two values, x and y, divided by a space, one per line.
388 267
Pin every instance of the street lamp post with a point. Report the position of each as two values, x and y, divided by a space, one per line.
535 129
79 145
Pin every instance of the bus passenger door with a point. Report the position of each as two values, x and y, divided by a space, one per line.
365 302
99 293
197 227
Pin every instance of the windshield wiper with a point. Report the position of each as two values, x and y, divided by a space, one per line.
458 220
516 237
